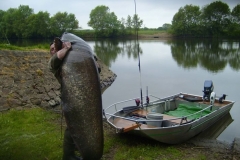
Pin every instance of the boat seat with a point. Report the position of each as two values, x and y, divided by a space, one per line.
165 117
130 109
122 123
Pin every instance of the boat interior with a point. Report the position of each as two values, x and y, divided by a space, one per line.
166 112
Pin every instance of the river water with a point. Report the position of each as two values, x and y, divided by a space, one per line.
173 66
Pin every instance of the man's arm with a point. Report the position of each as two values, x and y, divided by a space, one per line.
62 53
56 60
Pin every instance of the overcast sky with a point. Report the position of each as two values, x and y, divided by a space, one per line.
154 13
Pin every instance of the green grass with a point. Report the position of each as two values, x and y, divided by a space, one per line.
29 134
149 150
44 47
35 134
84 33
91 33
150 32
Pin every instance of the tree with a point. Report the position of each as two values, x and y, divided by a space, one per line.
20 20
236 14
62 22
23 23
2 30
166 26
98 18
104 22
122 27
113 25
129 23
7 21
186 21
215 17
234 28
136 22
38 25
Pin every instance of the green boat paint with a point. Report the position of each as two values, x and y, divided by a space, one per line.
184 110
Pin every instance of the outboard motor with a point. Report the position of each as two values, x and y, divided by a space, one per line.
208 89
212 98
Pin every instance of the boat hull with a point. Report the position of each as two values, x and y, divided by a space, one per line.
174 131
179 134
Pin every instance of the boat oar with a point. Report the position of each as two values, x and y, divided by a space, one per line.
132 127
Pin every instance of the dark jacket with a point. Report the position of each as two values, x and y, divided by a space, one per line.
54 65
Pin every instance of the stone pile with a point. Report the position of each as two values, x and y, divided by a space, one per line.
25 80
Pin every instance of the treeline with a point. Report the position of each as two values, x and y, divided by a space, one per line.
106 23
213 20
21 22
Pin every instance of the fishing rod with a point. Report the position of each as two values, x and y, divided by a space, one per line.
139 64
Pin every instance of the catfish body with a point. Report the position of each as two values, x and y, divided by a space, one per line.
81 98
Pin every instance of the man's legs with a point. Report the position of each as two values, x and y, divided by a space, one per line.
69 147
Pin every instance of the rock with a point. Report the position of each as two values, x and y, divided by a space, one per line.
27 82
236 145
52 103
36 101
14 102
3 103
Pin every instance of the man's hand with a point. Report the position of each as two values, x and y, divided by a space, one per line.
67 45
62 53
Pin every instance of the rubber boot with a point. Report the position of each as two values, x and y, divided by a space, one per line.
69 147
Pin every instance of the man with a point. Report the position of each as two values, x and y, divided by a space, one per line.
58 51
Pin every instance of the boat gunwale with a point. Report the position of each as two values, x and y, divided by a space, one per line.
171 119
160 100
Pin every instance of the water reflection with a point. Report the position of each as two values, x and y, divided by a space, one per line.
215 130
211 55
108 50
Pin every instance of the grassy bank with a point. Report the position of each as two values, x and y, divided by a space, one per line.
29 134
44 47
36 134
129 34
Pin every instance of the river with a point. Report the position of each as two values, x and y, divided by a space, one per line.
173 66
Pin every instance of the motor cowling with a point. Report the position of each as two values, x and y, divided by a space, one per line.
208 89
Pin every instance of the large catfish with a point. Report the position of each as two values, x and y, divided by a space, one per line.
81 98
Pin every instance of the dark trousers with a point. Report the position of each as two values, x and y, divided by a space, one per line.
68 147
